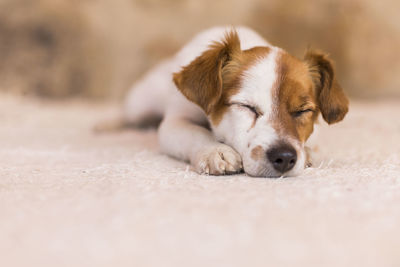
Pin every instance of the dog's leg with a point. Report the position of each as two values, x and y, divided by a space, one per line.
139 111
111 125
145 103
185 140
147 99
120 123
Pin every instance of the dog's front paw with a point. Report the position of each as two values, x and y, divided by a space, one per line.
218 160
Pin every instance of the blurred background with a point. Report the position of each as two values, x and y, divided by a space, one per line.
97 48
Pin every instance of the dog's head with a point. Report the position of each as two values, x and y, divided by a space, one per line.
263 102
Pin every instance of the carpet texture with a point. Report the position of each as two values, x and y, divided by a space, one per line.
69 197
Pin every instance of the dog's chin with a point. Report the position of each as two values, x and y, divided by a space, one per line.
255 169
269 172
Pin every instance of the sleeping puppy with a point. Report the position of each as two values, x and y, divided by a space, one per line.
230 101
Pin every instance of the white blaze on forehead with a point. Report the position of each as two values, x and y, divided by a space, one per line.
257 83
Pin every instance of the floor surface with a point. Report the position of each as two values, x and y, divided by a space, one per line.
72 198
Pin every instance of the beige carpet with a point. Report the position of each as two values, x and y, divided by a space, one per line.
71 198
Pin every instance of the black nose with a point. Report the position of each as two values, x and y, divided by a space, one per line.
283 157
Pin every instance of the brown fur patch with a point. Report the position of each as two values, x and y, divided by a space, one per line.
257 153
212 78
332 101
309 85
201 81
293 92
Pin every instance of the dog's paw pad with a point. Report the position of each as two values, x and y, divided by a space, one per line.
218 160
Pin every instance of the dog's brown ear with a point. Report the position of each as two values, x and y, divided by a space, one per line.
201 81
333 102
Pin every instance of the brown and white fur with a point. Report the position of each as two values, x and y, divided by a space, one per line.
230 101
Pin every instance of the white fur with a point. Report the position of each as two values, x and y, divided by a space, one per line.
181 134
256 90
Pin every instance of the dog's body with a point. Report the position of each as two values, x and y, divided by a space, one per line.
230 101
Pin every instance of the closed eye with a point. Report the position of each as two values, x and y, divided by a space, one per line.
253 109
301 112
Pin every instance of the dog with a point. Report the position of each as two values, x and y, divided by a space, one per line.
229 101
